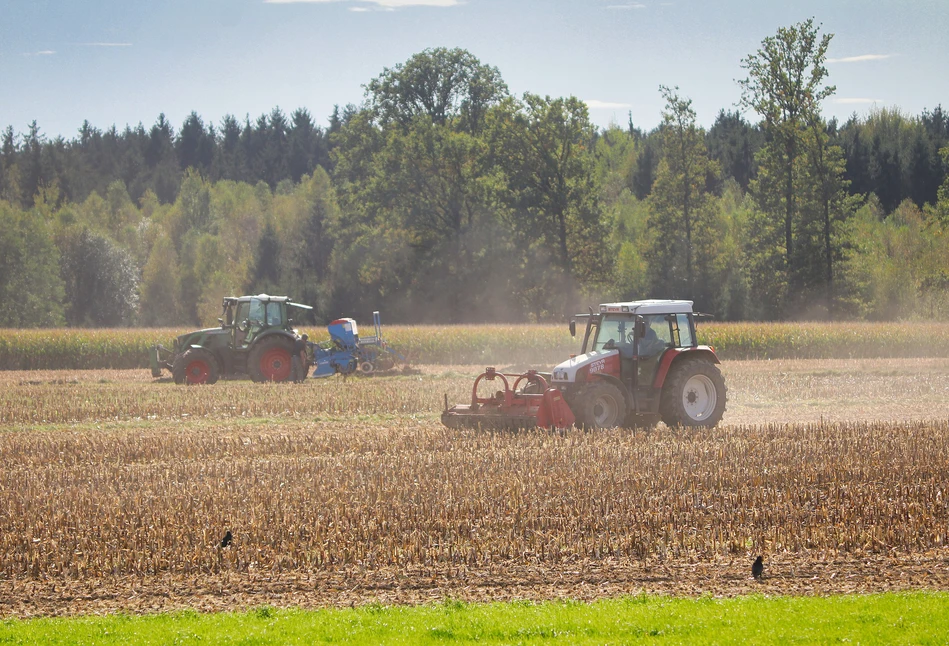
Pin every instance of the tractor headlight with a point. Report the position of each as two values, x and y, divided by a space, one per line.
560 375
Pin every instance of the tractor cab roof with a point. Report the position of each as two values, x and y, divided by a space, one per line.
265 298
649 306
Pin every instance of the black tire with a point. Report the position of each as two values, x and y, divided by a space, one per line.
694 394
195 366
600 405
270 360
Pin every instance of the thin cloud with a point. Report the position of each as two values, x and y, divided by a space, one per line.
857 100
381 4
596 104
105 44
631 5
395 4
860 59
42 52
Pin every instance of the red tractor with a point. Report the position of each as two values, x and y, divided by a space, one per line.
640 363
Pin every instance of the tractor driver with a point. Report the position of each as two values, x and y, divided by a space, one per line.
651 344
299 361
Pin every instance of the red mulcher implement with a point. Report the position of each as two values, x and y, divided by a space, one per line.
535 404
640 363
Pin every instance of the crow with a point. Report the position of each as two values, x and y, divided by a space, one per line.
228 537
757 568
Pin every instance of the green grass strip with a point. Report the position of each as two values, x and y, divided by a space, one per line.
906 618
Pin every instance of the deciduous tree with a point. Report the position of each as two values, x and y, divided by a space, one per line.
785 85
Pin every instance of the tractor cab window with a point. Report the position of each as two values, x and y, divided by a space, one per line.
684 330
242 324
274 315
243 312
658 335
257 313
617 329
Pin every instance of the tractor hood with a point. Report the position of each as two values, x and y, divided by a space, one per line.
578 369
197 337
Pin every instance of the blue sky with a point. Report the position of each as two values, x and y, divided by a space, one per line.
124 62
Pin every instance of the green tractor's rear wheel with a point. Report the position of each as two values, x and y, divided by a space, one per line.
195 366
270 359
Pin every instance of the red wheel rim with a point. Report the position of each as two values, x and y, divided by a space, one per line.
197 372
275 365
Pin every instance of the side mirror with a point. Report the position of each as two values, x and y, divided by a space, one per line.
221 322
573 327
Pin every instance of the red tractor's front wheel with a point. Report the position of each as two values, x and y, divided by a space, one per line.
195 366
270 360
600 405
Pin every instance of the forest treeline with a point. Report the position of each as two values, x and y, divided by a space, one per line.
443 198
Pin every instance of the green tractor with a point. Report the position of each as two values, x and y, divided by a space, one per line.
255 338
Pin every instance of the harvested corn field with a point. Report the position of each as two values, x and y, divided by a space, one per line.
116 492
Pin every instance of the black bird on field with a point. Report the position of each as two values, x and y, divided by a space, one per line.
228 537
756 568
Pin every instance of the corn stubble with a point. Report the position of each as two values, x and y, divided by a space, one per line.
334 496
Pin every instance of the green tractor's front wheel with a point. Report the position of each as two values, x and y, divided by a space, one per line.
270 359
195 366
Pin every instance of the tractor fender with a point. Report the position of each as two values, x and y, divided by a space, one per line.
673 354
270 333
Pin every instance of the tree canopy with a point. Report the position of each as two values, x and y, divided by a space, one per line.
442 198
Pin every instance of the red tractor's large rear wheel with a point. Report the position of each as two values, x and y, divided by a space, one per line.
694 395
195 366
270 360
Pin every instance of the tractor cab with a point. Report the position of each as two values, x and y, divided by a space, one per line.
250 317
640 332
